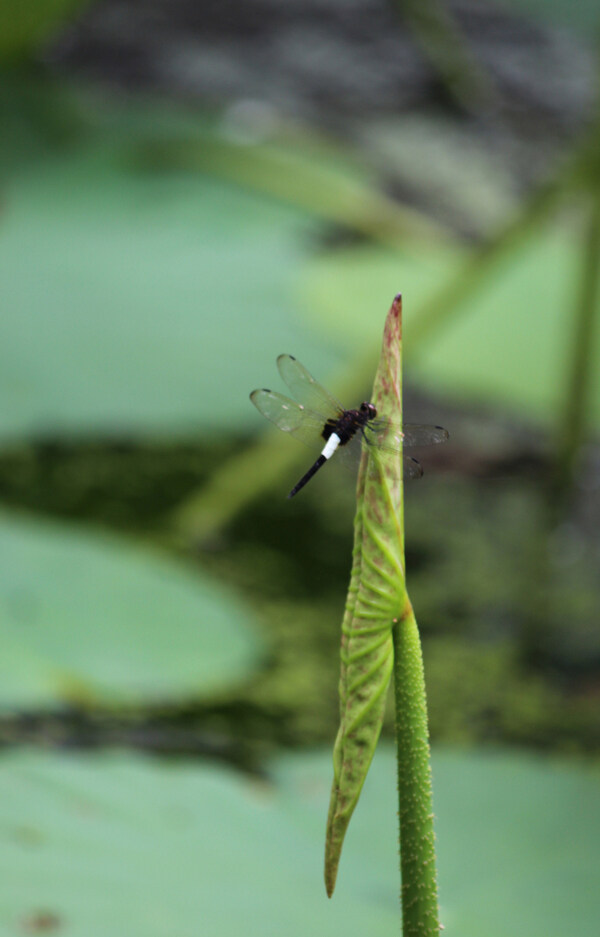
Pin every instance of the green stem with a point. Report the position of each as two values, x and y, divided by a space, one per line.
417 841
572 430
448 53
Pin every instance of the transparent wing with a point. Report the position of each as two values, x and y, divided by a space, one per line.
416 434
351 452
289 416
305 389
388 435
412 468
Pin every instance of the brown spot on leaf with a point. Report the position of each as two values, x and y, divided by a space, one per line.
40 922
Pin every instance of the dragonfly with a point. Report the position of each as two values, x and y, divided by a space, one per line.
315 416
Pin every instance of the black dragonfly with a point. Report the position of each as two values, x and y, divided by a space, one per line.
315 415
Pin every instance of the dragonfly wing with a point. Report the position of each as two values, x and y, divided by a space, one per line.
389 435
305 389
412 468
416 434
289 416
382 434
349 456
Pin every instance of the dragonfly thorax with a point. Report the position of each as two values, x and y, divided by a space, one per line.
349 423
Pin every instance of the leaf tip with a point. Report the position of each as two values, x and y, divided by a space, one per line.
330 878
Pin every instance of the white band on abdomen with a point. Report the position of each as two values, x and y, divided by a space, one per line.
332 444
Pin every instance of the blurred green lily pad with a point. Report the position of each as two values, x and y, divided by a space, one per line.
139 301
118 844
113 844
85 618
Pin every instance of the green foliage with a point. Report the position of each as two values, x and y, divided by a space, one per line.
468 579
135 295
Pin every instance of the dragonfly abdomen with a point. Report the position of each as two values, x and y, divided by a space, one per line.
332 433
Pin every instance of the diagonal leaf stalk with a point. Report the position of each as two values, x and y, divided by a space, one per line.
449 54
379 635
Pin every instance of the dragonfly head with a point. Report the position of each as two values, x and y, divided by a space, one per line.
369 409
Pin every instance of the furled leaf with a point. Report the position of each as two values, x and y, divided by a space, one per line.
376 598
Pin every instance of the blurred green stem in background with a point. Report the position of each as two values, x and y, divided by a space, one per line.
448 53
319 179
572 428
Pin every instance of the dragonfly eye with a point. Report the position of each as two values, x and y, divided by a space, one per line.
370 409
